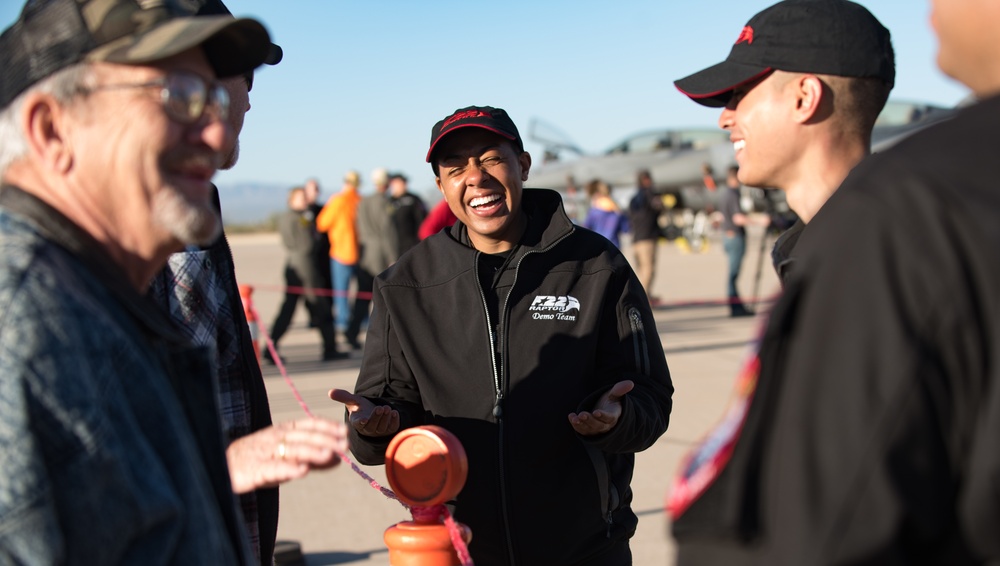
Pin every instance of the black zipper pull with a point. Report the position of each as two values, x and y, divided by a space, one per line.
497 409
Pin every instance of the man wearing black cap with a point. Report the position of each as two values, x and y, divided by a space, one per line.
800 92
112 124
198 288
530 339
873 429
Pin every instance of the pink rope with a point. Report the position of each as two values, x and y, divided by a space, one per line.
660 305
321 291
456 539
420 514
440 513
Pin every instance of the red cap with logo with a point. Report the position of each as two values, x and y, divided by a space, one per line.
829 37
495 120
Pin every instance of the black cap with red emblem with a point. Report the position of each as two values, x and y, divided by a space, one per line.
495 120
826 37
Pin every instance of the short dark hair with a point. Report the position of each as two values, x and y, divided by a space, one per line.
864 100
399 176
854 102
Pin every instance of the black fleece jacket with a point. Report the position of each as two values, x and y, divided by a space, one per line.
873 431
574 321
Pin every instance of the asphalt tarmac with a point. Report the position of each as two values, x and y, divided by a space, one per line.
337 518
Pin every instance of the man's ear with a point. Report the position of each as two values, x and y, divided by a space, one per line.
45 123
811 98
525 160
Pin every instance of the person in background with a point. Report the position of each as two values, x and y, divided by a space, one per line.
644 217
604 216
378 249
338 219
439 218
408 213
528 338
380 180
571 201
322 254
296 235
113 450
198 288
734 238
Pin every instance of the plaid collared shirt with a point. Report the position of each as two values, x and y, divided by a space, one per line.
193 288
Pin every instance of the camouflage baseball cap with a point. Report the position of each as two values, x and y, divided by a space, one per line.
51 35
217 8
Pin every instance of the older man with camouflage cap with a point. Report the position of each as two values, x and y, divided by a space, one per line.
112 124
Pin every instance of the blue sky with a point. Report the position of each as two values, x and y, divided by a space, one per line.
363 81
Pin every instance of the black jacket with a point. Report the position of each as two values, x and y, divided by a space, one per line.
783 253
872 437
644 215
575 322
408 212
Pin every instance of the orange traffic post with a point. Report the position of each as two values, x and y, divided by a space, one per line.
246 292
425 466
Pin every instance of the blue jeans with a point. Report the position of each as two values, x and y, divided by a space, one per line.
735 247
341 275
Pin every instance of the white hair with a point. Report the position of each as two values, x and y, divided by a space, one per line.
63 85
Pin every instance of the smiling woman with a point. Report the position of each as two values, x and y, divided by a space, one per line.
481 177
518 332
478 157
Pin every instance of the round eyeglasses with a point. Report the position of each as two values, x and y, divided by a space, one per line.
184 96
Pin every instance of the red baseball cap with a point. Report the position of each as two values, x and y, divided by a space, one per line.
495 120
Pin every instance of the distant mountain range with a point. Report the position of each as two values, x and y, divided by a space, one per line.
255 203
252 203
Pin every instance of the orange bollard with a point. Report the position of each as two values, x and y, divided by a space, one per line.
245 295
425 466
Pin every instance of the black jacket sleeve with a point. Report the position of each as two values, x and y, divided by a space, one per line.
631 350
385 379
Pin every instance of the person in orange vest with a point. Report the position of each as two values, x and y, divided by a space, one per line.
338 219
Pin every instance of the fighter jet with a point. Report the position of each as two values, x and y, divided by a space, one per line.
900 120
678 159
674 158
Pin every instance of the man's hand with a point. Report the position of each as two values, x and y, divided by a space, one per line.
285 451
368 418
606 411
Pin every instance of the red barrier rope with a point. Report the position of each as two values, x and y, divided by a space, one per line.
658 305
435 512
321 291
